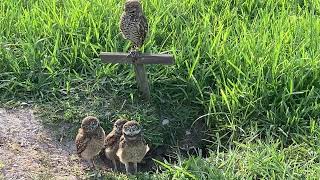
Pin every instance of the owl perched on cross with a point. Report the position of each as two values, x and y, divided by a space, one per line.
134 25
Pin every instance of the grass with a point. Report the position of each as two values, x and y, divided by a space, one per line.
257 160
249 68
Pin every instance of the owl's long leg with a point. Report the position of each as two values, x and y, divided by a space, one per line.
135 165
93 164
114 164
134 53
127 167
86 164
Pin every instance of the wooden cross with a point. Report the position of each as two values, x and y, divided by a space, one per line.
141 76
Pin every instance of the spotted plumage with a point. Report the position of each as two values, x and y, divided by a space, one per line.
90 139
133 23
132 146
112 142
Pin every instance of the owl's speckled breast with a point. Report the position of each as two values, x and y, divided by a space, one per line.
133 153
134 28
111 151
93 148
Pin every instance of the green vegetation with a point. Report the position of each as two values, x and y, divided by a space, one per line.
249 68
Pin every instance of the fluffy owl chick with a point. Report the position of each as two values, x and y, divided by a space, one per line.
132 146
90 139
112 142
134 25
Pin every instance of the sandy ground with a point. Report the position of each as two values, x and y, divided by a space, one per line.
31 150
28 150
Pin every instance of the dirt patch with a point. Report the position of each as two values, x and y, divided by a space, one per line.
28 150
31 150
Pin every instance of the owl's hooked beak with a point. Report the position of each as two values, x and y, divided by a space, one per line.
94 126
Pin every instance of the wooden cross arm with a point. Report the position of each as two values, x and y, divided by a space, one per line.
108 57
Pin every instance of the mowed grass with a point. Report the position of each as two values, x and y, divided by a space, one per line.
249 68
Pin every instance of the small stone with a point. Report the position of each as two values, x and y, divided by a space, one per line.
23 104
165 122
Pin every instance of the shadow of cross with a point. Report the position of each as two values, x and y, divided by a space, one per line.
141 76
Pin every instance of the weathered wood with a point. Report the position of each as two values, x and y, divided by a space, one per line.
138 63
142 80
108 57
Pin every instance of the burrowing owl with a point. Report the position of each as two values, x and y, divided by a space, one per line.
134 25
112 142
90 139
132 146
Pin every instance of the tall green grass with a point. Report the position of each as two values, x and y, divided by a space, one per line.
253 160
246 67
250 69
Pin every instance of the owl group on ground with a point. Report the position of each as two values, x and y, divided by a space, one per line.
112 142
134 25
90 139
132 146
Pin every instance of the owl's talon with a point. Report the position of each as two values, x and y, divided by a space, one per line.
134 54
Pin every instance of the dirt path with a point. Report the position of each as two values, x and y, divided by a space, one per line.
28 150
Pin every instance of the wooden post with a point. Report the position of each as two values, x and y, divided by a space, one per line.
142 80
141 76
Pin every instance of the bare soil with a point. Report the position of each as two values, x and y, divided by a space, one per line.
28 150
31 150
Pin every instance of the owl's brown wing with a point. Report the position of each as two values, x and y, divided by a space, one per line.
143 29
144 141
100 134
122 142
122 25
110 140
81 142
146 145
